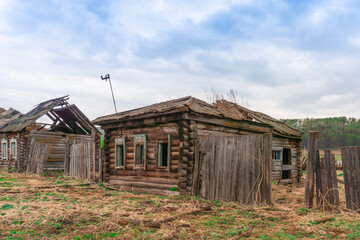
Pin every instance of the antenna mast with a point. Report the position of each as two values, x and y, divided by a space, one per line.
107 77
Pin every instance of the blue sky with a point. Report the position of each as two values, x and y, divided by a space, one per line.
288 59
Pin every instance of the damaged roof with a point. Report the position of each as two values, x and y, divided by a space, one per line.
9 115
221 109
185 104
279 127
66 118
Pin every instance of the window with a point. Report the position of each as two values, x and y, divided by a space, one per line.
4 149
120 153
282 161
276 155
140 151
13 148
139 154
164 152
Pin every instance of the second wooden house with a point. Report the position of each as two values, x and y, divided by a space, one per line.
55 135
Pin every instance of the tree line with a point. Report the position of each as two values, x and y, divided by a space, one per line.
335 132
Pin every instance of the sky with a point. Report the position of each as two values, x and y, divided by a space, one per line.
289 59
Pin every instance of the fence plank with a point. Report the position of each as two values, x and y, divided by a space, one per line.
313 155
326 183
351 166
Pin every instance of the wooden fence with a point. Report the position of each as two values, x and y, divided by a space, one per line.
38 154
327 192
236 168
322 174
80 160
351 166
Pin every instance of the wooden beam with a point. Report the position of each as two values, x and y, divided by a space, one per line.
238 124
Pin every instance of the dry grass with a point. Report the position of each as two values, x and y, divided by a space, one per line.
337 153
29 210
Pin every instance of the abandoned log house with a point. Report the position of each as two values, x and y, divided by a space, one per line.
286 142
53 135
187 146
8 149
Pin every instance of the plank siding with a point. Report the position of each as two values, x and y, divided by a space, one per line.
58 143
220 158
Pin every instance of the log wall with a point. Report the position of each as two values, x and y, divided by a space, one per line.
153 179
295 167
19 136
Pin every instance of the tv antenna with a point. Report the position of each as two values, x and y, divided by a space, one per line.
107 77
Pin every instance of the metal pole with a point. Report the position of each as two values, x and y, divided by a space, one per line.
107 77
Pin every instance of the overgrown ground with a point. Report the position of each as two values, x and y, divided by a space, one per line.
47 207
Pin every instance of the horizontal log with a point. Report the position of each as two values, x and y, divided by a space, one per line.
143 184
149 190
144 173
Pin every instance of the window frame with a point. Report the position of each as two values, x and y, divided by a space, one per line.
13 140
140 139
165 139
120 142
278 149
4 152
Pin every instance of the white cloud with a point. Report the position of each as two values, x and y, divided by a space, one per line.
67 55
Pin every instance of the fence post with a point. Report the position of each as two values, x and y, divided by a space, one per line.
313 155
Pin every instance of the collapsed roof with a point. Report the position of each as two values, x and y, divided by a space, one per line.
66 118
7 116
219 109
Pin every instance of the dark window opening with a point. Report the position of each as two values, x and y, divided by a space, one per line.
286 156
286 174
139 154
119 155
163 154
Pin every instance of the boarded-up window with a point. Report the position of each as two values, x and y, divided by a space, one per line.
13 148
140 151
4 149
120 153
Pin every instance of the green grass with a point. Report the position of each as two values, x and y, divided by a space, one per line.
94 213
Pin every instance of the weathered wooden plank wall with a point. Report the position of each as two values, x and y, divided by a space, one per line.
351 166
59 144
38 154
80 162
236 168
